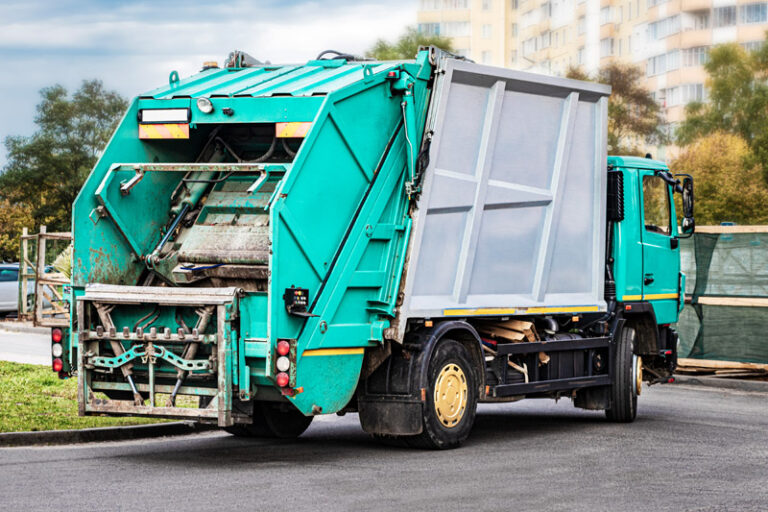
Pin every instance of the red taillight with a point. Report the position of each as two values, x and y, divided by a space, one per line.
56 335
58 365
283 347
282 379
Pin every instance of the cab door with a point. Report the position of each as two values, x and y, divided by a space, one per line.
661 248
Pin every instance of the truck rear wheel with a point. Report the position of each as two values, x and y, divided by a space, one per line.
451 398
625 389
273 420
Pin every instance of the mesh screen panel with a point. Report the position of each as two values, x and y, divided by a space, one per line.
725 266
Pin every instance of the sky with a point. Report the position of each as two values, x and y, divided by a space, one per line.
132 46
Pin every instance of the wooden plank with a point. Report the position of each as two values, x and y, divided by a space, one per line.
502 334
710 364
759 302
718 230
24 286
39 271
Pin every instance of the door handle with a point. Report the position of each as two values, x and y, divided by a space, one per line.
648 279
674 242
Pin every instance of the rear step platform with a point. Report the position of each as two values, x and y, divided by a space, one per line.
131 363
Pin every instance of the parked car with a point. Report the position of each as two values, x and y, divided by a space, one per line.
9 287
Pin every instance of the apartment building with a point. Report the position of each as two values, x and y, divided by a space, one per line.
670 39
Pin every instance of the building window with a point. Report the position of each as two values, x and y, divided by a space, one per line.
455 29
693 92
486 57
754 13
696 56
724 16
430 5
581 56
605 15
513 4
663 63
546 40
456 4
653 3
514 30
663 28
752 46
701 20
486 31
486 4
606 47
430 29
582 25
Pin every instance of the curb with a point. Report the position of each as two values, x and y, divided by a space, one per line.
20 327
718 382
89 435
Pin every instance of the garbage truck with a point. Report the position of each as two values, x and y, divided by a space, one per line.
260 244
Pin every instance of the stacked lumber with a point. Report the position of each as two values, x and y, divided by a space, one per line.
732 369
510 331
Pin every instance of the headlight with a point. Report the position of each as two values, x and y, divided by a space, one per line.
204 105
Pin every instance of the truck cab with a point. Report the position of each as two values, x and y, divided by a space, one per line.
645 253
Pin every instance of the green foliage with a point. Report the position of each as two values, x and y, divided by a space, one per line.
13 217
634 117
407 45
45 171
725 190
737 104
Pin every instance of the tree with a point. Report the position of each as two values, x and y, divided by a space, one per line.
634 117
13 218
407 45
726 191
737 103
46 171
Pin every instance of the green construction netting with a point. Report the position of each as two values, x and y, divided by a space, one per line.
725 266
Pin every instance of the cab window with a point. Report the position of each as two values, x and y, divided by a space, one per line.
656 205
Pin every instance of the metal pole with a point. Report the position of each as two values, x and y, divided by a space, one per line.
39 271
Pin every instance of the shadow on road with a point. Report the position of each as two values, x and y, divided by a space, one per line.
339 439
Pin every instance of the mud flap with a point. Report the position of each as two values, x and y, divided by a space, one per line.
390 417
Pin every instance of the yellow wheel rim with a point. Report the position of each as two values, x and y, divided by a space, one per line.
639 375
450 395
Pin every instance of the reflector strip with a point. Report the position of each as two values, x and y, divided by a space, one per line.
656 296
518 311
651 296
164 131
292 130
164 115
334 352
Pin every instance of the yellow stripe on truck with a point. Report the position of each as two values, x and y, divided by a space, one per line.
164 131
292 130
519 311
651 296
334 352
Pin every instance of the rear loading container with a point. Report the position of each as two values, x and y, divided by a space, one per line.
511 218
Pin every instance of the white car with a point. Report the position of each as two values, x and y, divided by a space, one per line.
9 288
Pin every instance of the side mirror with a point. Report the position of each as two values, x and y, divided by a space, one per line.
688 226
688 197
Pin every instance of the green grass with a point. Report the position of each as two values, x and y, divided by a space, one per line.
33 398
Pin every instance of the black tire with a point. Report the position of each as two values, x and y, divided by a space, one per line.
448 431
273 420
624 389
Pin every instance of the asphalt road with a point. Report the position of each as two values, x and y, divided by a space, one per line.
690 449
25 347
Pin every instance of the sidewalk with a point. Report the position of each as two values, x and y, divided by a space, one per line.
23 343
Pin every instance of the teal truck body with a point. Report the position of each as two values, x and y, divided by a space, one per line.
261 244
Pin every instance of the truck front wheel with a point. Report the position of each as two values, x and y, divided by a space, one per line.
273 420
625 386
451 398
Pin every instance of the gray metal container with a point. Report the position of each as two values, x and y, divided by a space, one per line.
511 219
